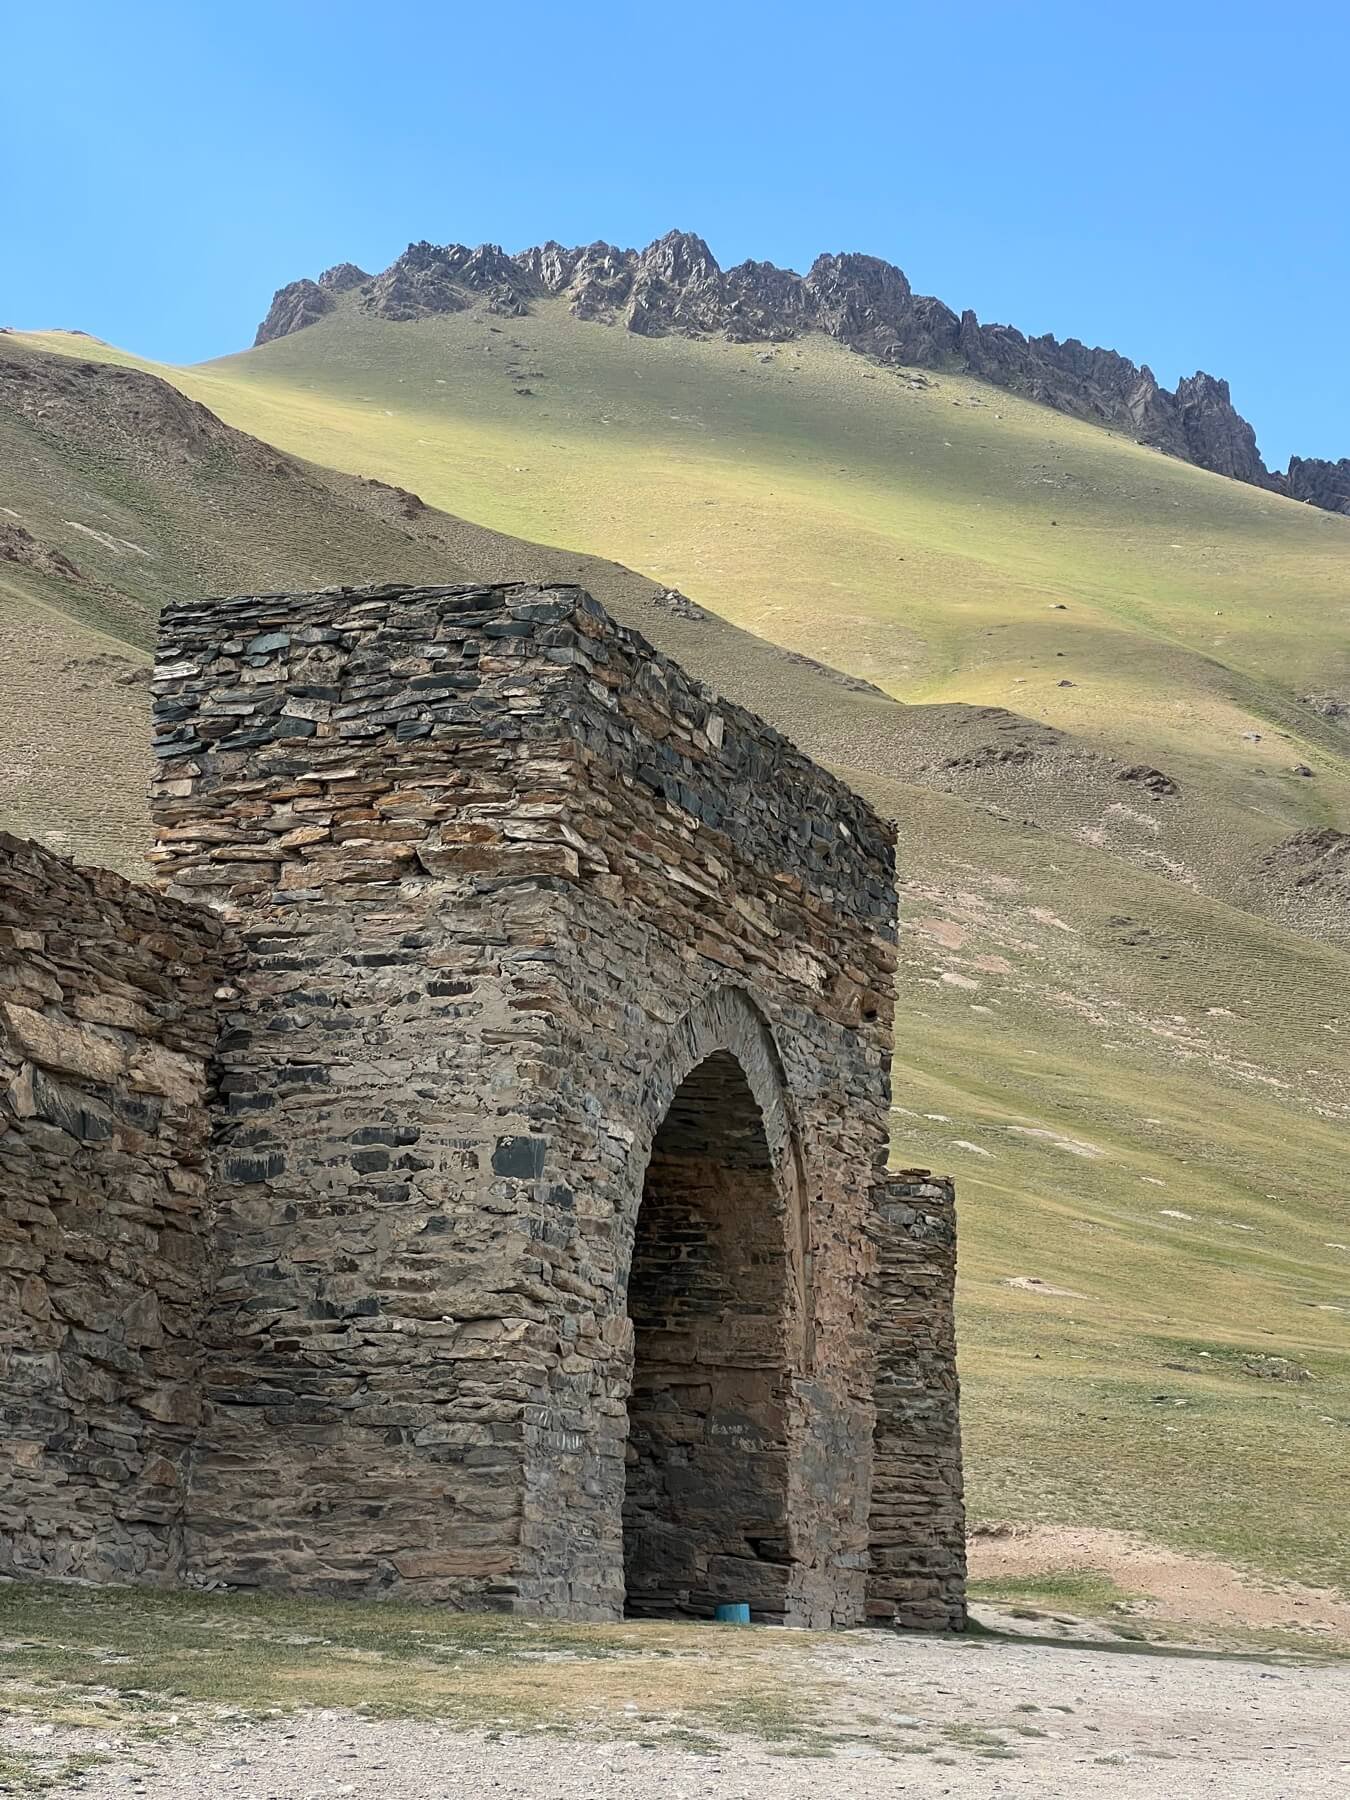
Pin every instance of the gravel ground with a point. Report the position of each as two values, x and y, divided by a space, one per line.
976 1719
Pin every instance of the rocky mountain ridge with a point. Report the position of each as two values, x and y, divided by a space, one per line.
677 285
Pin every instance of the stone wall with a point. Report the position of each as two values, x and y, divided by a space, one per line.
918 1516
543 1255
504 879
106 1025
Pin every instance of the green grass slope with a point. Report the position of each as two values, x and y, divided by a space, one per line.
1143 1089
1143 1094
118 492
947 541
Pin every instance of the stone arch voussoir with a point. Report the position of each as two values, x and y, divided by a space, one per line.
728 1020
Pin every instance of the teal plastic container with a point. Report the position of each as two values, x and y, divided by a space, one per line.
733 1612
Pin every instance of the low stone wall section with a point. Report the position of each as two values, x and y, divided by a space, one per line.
107 1018
918 1562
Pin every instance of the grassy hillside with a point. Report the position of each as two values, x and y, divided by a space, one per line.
1143 1095
1142 1087
947 541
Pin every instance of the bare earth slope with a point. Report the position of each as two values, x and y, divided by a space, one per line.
1128 1042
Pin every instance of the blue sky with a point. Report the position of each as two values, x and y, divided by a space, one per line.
1166 180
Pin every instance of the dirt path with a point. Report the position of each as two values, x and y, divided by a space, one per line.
1167 1586
987 1718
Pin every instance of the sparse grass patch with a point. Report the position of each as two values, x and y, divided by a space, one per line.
21 1774
1082 1591
107 1655
979 1739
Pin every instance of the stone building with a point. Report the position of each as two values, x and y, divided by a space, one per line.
464 1175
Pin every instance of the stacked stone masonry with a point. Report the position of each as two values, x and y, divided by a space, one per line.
918 1536
106 1029
548 1239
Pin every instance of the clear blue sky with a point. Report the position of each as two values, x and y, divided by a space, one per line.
1168 180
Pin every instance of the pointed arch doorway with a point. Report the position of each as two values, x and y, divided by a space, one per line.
716 1301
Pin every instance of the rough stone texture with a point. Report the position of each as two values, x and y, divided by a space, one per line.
676 285
549 1123
918 1565
106 1024
505 880
342 276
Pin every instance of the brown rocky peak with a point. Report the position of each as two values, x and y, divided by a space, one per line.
680 259
341 277
869 304
293 307
858 282
484 267
552 265
677 286
765 303
441 278
601 280
1217 436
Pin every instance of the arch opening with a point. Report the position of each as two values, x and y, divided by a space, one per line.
710 1298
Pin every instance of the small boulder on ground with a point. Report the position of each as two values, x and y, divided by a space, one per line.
1142 775
1275 1368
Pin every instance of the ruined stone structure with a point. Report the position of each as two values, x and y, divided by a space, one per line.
106 1028
545 1256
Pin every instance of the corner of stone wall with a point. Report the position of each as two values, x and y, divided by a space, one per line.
918 1546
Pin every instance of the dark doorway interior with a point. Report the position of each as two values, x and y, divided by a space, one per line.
705 1507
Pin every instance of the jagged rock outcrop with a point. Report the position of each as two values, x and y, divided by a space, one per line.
341 277
293 307
18 545
1319 482
676 285
764 304
1094 384
598 282
431 278
1217 436
300 303
855 295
